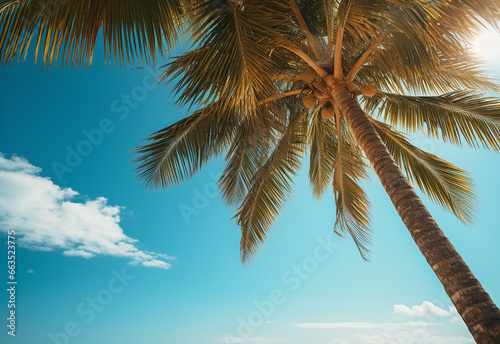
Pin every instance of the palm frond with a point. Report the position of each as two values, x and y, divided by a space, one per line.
312 41
471 13
231 61
177 152
443 182
245 157
351 201
422 49
453 117
271 186
313 12
323 143
67 31
404 63
330 9
342 15
5 3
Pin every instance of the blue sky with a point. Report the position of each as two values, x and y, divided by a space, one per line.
101 260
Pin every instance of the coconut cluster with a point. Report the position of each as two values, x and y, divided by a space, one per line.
318 91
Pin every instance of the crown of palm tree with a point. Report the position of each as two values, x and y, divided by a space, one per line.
254 67
260 74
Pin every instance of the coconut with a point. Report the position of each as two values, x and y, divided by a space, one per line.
309 101
368 90
308 76
327 112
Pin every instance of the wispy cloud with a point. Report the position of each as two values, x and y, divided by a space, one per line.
425 310
403 332
338 341
456 317
419 336
46 218
366 325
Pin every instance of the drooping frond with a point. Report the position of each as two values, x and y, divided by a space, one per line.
5 3
442 181
323 143
177 152
471 12
453 117
249 148
271 186
231 61
351 201
67 31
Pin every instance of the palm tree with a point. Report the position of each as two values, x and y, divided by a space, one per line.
274 80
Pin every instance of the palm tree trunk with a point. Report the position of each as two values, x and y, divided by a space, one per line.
473 303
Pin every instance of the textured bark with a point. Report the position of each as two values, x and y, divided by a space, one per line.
473 303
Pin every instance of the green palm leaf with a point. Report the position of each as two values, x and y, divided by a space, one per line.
418 50
231 61
477 12
404 64
323 142
351 201
178 151
5 3
245 157
453 117
314 13
442 181
271 186
68 31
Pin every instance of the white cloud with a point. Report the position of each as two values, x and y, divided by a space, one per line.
338 341
457 320
30 271
46 218
17 164
155 263
244 340
456 317
407 337
417 332
366 325
427 309
403 332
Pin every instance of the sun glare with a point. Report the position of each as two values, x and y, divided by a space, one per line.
487 45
